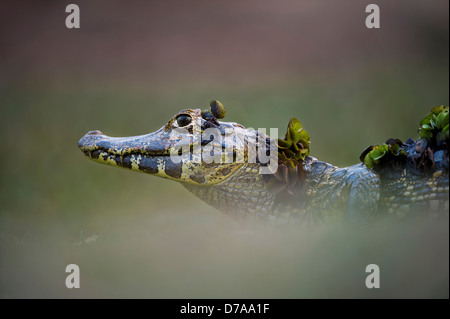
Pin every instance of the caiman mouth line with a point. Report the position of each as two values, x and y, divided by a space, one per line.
151 163
121 157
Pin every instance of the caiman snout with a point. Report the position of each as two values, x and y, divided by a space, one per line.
169 152
148 153
87 139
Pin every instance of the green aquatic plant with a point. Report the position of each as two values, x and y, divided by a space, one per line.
435 126
391 150
217 111
292 151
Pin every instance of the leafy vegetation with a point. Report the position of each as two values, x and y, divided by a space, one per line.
373 155
292 151
434 127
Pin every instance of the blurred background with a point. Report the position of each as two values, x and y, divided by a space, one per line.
134 64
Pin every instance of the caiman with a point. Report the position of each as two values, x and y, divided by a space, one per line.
394 179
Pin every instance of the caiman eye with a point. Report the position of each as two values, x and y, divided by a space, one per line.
184 120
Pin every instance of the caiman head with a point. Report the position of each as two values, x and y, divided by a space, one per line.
226 165
223 163
181 150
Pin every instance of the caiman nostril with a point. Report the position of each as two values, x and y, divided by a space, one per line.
96 132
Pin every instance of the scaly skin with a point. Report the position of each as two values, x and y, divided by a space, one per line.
330 194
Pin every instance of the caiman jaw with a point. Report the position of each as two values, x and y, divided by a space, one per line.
148 153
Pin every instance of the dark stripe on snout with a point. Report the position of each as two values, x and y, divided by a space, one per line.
173 169
149 165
